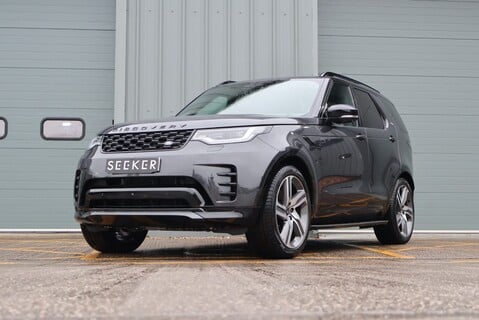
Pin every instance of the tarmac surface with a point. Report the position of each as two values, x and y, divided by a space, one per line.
339 276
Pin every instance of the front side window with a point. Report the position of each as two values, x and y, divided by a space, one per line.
290 98
62 129
341 94
369 115
3 128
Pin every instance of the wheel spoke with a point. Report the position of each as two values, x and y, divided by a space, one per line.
404 225
281 211
403 196
287 190
299 199
398 220
298 227
287 232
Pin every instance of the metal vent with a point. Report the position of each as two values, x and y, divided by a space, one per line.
145 141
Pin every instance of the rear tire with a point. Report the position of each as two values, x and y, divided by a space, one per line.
113 240
283 226
400 216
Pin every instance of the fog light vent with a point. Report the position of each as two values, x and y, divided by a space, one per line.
228 183
77 184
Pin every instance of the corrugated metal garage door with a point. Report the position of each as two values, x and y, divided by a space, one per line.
423 55
56 60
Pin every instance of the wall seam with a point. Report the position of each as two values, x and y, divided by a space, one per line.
119 95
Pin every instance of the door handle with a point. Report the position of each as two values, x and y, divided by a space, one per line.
360 137
392 139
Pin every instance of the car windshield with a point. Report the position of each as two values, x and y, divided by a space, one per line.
291 98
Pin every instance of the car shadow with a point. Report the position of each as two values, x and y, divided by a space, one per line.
234 250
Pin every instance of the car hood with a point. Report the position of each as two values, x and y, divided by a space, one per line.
205 122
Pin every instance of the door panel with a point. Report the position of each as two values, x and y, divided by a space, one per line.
343 165
384 163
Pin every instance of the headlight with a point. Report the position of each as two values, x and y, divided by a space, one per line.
94 142
229 135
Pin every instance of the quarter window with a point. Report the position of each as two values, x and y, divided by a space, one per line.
3 128
369 115
62 129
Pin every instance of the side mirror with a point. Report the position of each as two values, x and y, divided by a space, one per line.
341 113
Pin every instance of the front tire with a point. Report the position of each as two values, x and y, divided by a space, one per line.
113 240
400 216
284 224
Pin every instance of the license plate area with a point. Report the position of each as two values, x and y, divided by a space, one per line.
126 166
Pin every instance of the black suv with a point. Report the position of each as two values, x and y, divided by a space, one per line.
270 158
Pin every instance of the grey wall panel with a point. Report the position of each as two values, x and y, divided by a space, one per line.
55 48
52 88
443 19
423 56
176 49
58 14
400 56
56 60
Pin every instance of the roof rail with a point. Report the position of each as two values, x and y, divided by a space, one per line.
340 76
226 82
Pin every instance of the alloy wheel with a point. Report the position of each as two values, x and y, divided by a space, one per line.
292 212
405 211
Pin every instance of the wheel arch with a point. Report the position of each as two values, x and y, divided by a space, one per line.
297 161
408 177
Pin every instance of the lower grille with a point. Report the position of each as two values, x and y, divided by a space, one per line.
139 203
142 182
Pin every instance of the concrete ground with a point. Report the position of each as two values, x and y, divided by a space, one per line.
339 276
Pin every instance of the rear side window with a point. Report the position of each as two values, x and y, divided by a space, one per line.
3 128
369 115
390 111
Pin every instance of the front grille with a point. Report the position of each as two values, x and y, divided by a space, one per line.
145 141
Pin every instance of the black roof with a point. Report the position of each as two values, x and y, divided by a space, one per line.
340 76
327 74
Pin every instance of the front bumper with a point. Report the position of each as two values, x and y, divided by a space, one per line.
199 187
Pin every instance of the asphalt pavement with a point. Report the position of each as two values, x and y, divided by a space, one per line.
339 276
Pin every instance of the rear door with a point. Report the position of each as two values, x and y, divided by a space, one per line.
383 156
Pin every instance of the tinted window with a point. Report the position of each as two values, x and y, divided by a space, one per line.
3 128
276 98
390 111
340 94
369 115
63 129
